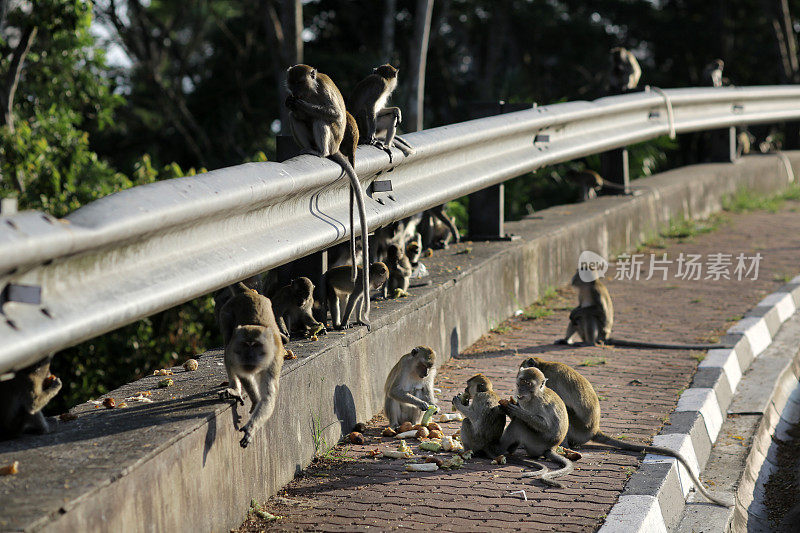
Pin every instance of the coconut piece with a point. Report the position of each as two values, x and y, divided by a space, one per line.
433 426
389 432
10 470
422 433
397 454
190 365
422 467
406 434
405 426
450 417
435 434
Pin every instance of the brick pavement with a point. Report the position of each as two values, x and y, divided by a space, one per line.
348 491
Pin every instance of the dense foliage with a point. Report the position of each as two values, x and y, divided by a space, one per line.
115 93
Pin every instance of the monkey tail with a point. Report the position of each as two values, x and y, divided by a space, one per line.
637 344
631 447
358 191
566 468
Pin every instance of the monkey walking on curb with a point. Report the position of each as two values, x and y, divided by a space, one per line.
322 126
583 408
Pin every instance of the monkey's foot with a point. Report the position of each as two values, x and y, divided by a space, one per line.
565 342
247 439
231 394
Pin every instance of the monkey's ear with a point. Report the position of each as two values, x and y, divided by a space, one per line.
544 381
375 70
313 73
414 351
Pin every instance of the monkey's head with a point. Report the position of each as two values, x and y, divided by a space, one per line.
530 382
378 273
302 290
252 347
413 249
393 254
533 362
578 282
386 71
475 384
301 79
425 360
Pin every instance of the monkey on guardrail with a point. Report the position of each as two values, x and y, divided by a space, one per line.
625 71
321 126
368 105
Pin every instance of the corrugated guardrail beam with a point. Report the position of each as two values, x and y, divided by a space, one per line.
143 250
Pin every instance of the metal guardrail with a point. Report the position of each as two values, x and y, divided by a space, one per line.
149 248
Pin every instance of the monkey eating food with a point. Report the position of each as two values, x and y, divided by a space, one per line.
253 355
293 305
408 392
583 408
484 419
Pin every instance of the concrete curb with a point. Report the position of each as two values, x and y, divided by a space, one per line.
654 500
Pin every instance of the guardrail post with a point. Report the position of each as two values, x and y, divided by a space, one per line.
311 266
486 208
723 145
614 168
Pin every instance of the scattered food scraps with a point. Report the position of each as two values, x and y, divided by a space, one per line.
162 372
422 467
289 355
10 470
164 383
109 403
190 365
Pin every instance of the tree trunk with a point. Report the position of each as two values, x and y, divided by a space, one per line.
387 38
791 41
291 50
9 89
419 55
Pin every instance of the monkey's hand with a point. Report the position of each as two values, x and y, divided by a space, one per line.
512 410
291 102
231 394
248 437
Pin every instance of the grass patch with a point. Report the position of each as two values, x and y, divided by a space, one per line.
543 307
746 200
593 362
687 228
502 329
783 278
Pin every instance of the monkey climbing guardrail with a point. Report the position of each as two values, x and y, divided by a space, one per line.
145 249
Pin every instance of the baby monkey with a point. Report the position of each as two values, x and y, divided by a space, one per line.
539 423
583 407
253 355
399 272
592 319
293 308
485 420
408 391
338 285
23 397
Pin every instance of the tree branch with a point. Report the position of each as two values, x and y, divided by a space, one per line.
14 73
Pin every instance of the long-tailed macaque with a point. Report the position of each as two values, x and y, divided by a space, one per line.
583 407
485 420
23 397
338 285
408 391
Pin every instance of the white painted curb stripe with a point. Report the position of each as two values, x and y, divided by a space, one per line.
705 401
642 513
783 302
756 330
726 359
633 514
680 442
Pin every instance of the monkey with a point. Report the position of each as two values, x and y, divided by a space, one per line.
713 73
23 397
591 183
399 271
438 229
414 251
223 295
253 355
625 71
592 319
368 105
292 305
337 283
485 420
744 143
583 408
320 124
408 391
386 236
539 423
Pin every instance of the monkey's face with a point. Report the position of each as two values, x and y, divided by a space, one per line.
378 273
300 79
387 71
250 348
530 382
393 254
476 384
302 290
413 251
426 360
